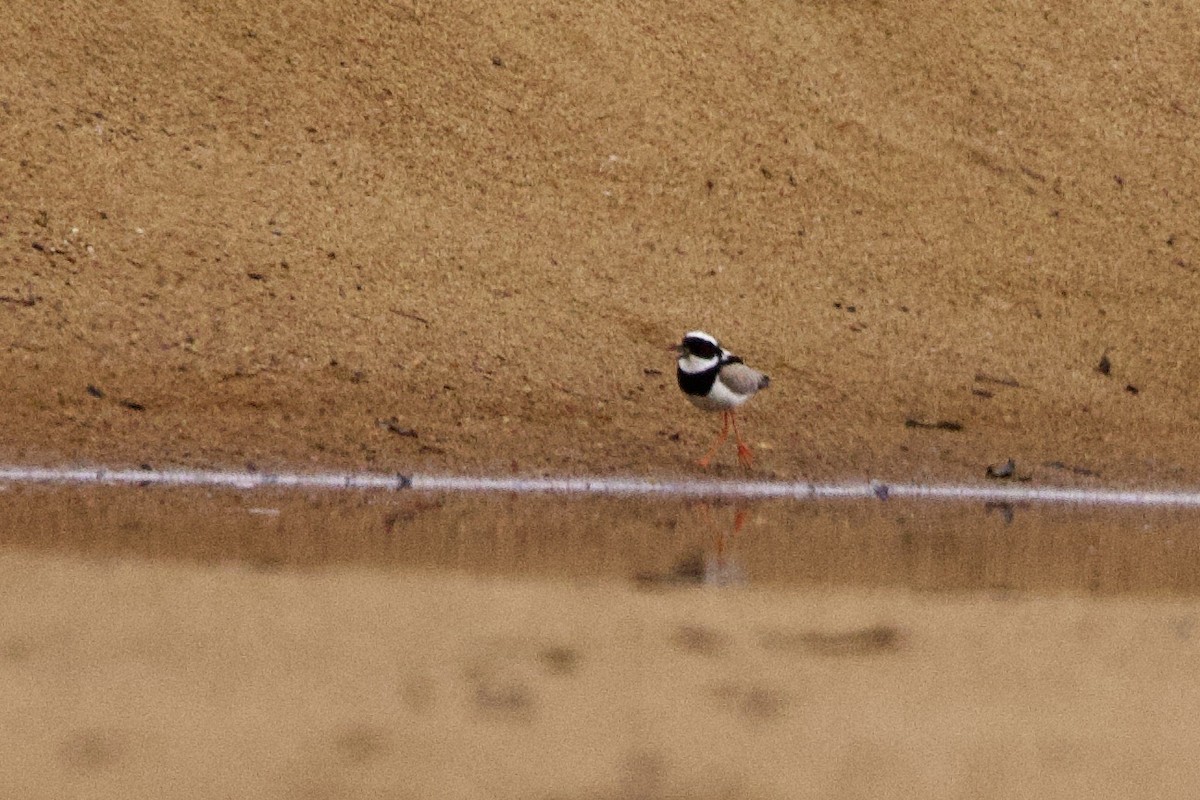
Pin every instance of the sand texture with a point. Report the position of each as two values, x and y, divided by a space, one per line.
267 229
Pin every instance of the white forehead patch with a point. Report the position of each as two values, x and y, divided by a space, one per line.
701 335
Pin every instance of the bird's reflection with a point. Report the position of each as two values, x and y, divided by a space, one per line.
721 564
716 565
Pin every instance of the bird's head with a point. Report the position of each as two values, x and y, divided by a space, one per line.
698 351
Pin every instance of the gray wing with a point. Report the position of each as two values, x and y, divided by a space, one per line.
741 379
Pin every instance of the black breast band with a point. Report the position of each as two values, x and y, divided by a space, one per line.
697 383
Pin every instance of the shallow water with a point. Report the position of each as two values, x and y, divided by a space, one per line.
655 543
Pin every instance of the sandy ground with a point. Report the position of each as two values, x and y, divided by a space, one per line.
269 229
452 236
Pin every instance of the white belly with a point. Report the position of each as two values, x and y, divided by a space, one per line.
719 399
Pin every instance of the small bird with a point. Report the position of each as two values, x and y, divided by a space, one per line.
714 379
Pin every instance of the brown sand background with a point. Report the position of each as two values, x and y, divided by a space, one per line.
257 231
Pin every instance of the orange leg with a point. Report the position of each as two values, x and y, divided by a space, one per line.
744 455
720 439
724 539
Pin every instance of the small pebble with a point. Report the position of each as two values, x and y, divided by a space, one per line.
1004 470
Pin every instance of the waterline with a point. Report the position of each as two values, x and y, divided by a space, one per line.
601 485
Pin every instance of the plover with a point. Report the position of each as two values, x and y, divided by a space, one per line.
714 379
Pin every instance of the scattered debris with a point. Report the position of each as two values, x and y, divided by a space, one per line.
392 424
1129 387
28 300
1032 173
652 371
410 315
940 425
344 373
133 406
95 391
1105 365
1005 470
1090 473
983 377
984 393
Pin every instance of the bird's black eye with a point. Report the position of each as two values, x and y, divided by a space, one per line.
701 348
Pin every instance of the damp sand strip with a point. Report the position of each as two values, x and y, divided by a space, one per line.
629 486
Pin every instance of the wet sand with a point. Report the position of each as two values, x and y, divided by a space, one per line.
161 678
373 644
988 548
